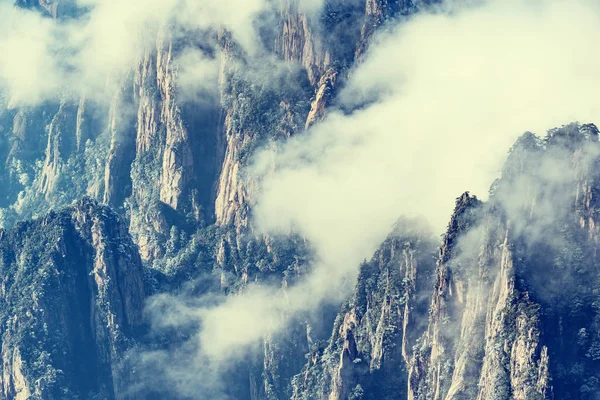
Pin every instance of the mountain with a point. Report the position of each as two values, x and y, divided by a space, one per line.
72 292
124 221
513 311
512 301
375 331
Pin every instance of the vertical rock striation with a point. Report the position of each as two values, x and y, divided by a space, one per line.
373 333
72 296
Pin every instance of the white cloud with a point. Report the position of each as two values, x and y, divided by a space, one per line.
27 65
455 91
197 75
43 58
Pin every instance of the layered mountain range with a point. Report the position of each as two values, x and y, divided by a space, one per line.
105 208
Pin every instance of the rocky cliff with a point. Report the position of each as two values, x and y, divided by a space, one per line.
72 296
505 308
507 312
511 310
165 159
511 293
374 333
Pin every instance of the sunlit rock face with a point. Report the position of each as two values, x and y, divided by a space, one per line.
165 158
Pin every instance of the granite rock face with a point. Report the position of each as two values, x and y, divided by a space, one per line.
164 158
511 300
505 307
374 333
72 297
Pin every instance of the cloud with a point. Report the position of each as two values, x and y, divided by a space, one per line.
436 106
27 66
430 113
197 75
44 59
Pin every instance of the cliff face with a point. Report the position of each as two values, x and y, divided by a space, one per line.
51 8
512 292
176 153
165 159
511 304
172 165
508 312
374 333
506 309
72 297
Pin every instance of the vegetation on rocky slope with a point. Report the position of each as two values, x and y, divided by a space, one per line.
148 197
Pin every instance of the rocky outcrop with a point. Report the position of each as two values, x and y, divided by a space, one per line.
14 382
176 152
300 41
373 333
511 315
60 145
72 296
117 171
53 159
168 160
231 192
177 162
325 93
376 12
447 305
495 324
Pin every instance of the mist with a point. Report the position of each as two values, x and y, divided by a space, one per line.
45 59
430 113
434 109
